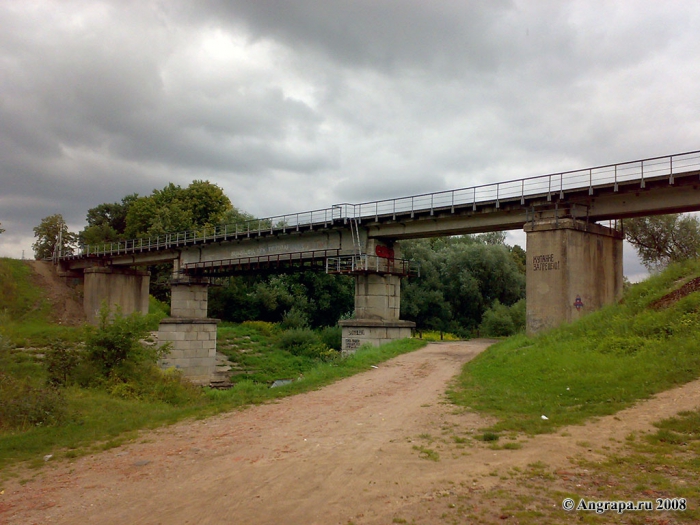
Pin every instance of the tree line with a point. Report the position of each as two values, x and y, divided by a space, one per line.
467 284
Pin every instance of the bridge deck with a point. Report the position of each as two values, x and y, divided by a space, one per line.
598 193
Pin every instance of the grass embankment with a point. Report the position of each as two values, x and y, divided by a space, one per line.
24 311
108 412
596 366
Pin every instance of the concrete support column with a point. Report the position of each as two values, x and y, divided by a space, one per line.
573 268
192 347
377 309
377 296
124 288
189 300
191 335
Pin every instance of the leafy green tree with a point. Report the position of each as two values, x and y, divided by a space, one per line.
206 203
235 216
520 258
107 222
176 209
460 279
53 237
664 239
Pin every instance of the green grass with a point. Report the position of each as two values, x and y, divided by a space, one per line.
255 355
20 299
316 375
96 419
594 367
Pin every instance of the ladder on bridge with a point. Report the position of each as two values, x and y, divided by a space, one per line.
355 231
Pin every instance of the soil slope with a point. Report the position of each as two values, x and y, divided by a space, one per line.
67 306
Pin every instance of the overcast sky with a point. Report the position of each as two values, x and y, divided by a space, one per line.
297 105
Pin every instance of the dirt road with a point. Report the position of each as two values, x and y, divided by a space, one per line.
380 447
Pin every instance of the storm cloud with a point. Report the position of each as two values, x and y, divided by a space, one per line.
298 105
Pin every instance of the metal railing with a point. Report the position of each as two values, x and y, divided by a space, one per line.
553 185
280 260
352 264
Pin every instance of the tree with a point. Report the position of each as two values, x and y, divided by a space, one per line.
201 204
53 238
107 222
1 230
664 239
460 279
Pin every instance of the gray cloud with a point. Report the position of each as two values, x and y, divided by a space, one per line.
298 105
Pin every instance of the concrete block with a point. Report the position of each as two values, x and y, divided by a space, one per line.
378 289
201 353
181 363
176 354
397 333
203 336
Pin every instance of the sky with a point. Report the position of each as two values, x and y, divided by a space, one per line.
292 106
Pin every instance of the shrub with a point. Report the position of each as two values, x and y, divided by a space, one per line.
115 348
23 405
297 340
306 343
294 319
332 337
501 320
61 361
263 327
158 308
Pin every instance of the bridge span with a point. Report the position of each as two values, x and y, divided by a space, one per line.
574 264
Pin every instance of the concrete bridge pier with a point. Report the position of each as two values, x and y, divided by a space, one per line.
123 288
573 268
191 334
377 308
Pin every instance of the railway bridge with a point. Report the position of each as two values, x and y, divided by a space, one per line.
574 263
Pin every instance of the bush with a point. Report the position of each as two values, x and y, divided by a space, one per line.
263 327
332 337
115 348
294 319
305 342
158 308
61 361
501 320
23 405
297 340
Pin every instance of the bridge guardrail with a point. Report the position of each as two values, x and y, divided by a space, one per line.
553 184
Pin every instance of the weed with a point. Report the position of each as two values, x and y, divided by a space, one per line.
512 446
427 453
